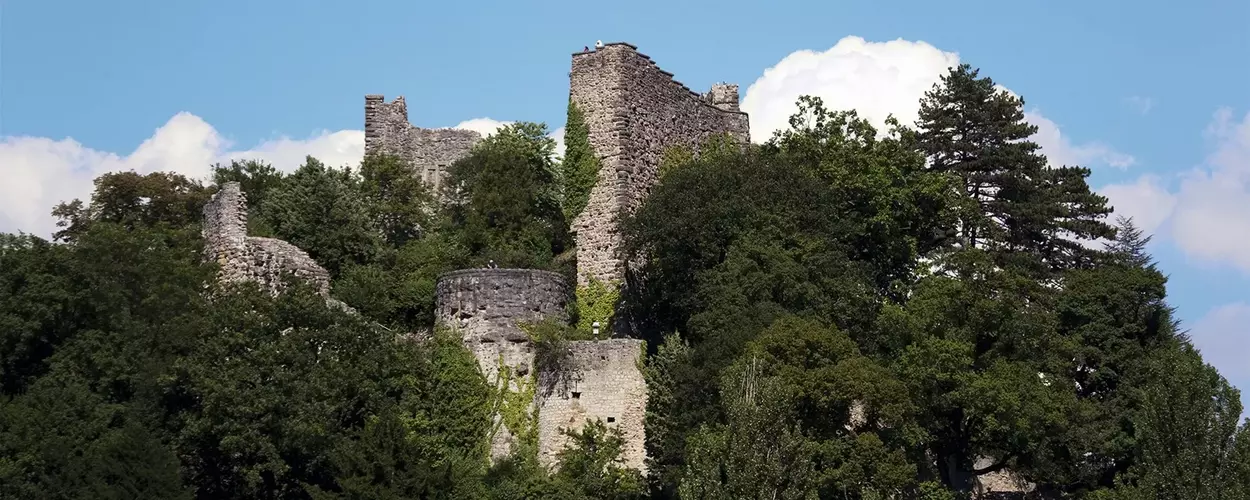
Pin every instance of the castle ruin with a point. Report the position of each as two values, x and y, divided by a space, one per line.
430 151
244 258
599 379
634 111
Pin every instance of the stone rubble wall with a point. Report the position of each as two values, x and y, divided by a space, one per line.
601 381
635 111
250 258
487 306
429 151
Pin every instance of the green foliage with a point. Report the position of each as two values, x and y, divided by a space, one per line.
673 158
504 203
592 462
397 289
596 302
668 374
579 168
319 209
758 453
133 200
401 205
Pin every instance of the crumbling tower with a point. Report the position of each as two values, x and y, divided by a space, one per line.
635 111
429 151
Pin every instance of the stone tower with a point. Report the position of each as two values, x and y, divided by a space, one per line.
430 151
599 380
635 111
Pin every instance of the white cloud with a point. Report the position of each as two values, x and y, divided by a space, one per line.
878 79
488 127
1212 216
1146 200
41 172
485 126
1060 150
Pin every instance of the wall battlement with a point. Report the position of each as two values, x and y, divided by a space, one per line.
429 151
635 111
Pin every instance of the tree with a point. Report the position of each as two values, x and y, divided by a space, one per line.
1191 446
321 210
758 453
257 179
401 204
1116 317
133 200
504 201
592 463
1016 206
984 366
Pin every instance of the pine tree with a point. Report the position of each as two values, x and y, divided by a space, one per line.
1018 207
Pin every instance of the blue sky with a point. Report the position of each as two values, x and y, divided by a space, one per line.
1153 96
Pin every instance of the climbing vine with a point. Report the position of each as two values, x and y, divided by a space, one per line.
515 407
596 302
580 166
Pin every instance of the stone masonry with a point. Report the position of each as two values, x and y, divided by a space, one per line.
603 382
251 258
635 111
599 380
429 151
487 307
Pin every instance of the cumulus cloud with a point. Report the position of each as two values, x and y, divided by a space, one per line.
41 172
485 126
878 79
488 126
1146 200
1212 216
1060 150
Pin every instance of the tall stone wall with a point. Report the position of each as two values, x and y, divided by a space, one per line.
635 111
429 151
601 381
249 258
487 306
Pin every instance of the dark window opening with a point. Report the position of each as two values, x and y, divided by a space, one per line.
577 395
611 419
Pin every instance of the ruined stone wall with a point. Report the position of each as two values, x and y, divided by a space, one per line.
601 380
430 151
250 258
486 306
635 111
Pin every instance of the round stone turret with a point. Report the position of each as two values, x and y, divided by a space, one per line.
486 305
487 308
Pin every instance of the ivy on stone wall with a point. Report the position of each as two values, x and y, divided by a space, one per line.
515 407
580 166
596 302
